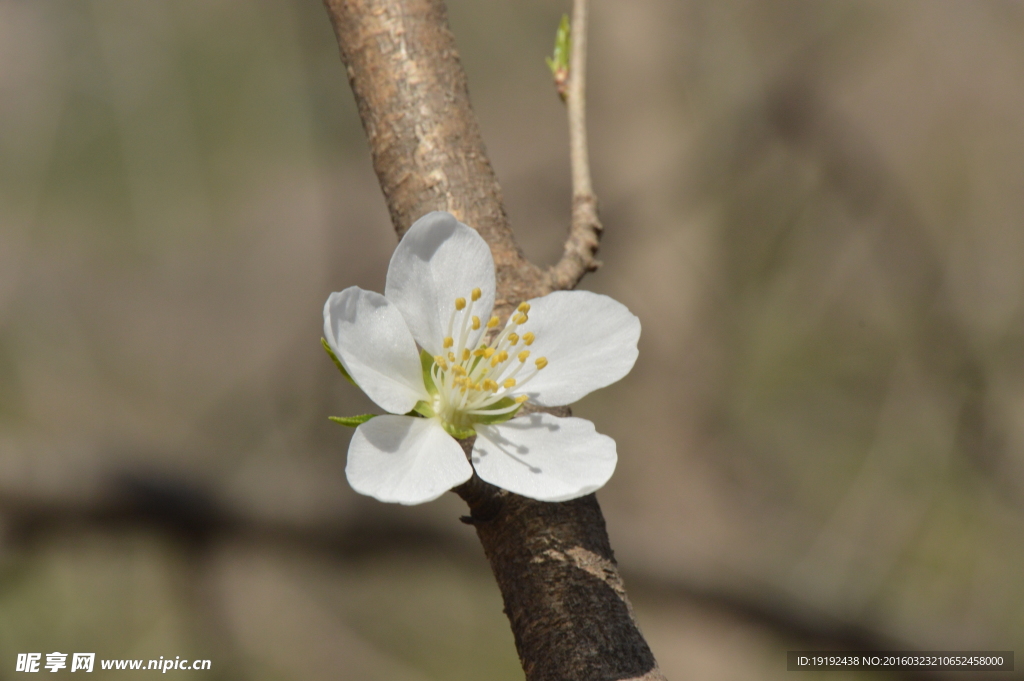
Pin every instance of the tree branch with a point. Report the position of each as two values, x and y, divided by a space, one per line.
585 231
553 563
425 142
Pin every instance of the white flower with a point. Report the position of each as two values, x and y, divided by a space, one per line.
553 351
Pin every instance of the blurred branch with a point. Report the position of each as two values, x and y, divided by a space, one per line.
780 615
854 170
196 520
554 565
585 231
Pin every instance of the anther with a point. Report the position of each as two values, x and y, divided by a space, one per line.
521 399
523 307
492 322
489 384
476 294
488 352
499 358
476 321
523 355
460 303
541 362
528 338
520 318
513 338
465 354
449 341
458 370
439 361
451 357
509 383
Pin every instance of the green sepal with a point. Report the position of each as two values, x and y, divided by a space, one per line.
337 363
427 363
457 432
497 418
424 409
352 421
559 62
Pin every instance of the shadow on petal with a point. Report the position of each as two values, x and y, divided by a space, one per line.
514 451
390 440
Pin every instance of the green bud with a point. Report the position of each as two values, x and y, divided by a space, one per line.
352 421
337 362
559 62
427 363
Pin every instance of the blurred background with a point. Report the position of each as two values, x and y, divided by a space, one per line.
815 208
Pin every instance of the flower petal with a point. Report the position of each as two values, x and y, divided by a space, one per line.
405 460
588 339
544 457
438 260
369 336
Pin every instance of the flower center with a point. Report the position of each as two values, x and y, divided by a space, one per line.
482 383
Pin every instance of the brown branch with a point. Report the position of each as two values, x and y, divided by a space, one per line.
563 594
425 142
585 231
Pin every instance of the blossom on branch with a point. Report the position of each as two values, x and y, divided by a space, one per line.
429 352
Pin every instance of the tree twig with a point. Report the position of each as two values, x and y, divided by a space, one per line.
581 246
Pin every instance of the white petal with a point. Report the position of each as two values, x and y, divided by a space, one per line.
369 336
588 339
438 260
405 460
544 457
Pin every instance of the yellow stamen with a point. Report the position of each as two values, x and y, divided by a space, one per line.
460 303
476 322
523 307
476 294
449 341
520 318
499 358
458 370
492 322
541 362
528 338
489 384
465 354
509 383
439 361
521 399
451 357
523 355
488 352
513 338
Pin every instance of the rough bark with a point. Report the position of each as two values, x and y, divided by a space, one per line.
425 142
553 562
